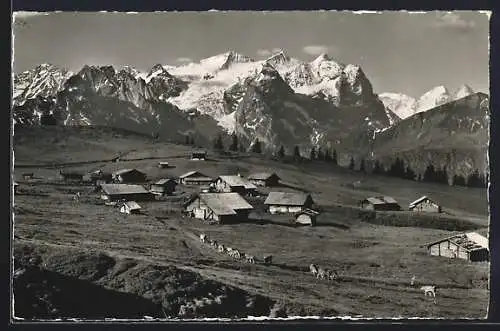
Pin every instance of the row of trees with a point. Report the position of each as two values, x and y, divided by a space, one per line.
397 169
431 174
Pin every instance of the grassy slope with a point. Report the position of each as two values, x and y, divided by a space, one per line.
376 262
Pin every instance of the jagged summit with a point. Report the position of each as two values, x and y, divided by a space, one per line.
280 57
463 91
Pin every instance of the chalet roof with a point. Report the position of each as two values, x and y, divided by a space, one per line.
132 205
124 171
262 175
199 152
470 241
163 162
70 172
286 198
191 173
114 189
164 181
382 200
238 181
225 203
419 200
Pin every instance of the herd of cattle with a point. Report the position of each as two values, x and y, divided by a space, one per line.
233 252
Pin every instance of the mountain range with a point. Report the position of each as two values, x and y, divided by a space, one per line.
280 101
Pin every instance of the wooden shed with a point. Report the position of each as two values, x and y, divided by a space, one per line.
164 186
470 246
425 204
235 183
130 207
264 179
195 178
287 202
199 155
306 217
380 203
129 176
163 164
127 192
219 207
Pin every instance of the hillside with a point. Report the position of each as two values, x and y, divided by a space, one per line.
453 135
91 244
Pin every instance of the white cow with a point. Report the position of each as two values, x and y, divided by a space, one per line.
213 243
203 238
412 282
236 254
313 268
221 248
429 290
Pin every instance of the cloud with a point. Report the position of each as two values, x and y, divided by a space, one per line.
454 21
26 14
316 49
184 59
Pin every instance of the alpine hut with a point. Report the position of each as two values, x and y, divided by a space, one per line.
286 202
164 186
129 176
195 178
199 155
130 207
235 184
380 203
264 179
219 207
306 217
472 246
424 204
127 192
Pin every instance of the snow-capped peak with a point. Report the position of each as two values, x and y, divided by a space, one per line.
400 104
433 98
321 58
463 91
279 58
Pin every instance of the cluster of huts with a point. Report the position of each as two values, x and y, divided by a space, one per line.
386 203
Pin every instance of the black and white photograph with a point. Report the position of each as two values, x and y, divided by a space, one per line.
250 165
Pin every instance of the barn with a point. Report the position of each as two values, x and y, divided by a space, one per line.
264 179
306 217
195 178
380 203
71 175
424 204
287 202
235 184
163 164
115 192
472 246
199 155
164 186
130 207
129 176
219 208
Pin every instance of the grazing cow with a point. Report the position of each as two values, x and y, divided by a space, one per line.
203 238
321 273
331 274
236 254
213 243
412 282
429 290
229 250
313 268
250 259
221 248
268 259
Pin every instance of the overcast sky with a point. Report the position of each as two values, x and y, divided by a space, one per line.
398 51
